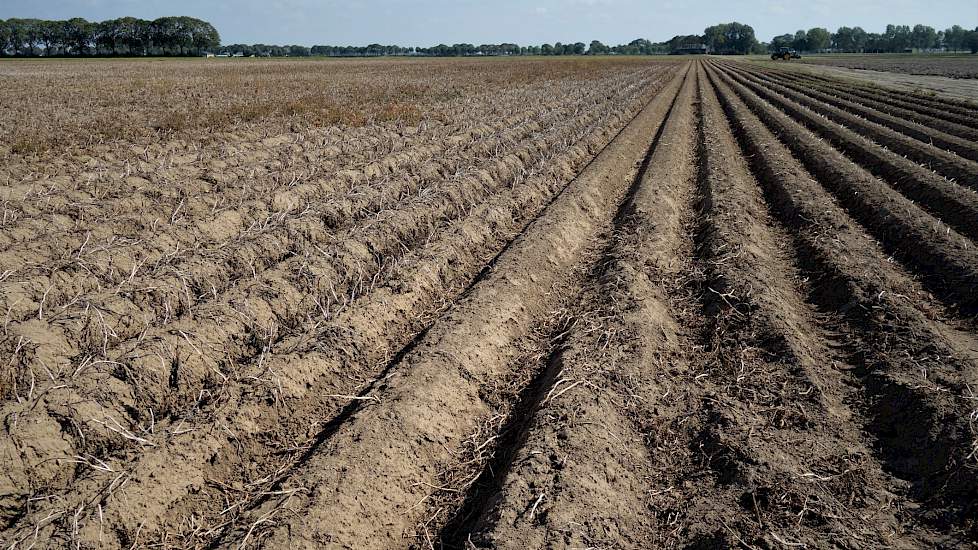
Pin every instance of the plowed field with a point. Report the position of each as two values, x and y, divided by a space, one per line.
513 304
953 66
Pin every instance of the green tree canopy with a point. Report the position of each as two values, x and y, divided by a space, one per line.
126 35
818 39
597 48
734 38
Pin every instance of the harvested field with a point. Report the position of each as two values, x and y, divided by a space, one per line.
593 303
911 85
951 66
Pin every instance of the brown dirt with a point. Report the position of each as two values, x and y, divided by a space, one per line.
951 66
931 116
949 259
629 304
954 89
627 325
872 122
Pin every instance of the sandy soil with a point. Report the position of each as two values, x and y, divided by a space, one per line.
694 304
941 86
947 65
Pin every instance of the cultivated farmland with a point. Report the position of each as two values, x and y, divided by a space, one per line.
602 302
952 66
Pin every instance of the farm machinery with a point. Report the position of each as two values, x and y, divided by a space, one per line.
785 54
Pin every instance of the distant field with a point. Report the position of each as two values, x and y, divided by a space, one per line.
953 66
68 102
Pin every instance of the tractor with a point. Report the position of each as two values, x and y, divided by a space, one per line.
785 54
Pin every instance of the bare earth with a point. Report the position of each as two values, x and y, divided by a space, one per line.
949 65
942 86
484 304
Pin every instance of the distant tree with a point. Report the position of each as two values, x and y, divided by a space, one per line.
897 38
108 35
971 41
78 35
818 39
800 42
246 50
53 37
33 29
781 41
848 39
923 37
4 37
859 37
15 36
716 37
640 46
874 43
133 34
184 37
743 38
954 38
204 37
734 38
163 35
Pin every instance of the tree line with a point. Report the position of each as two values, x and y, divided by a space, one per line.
187 36
724 38
639 46
122 36
896 38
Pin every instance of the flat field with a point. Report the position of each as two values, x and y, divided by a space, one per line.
949 65
525 303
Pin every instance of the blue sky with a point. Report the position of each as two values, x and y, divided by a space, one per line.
428 22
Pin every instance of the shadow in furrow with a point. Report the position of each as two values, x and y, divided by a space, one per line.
512 437
330 428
